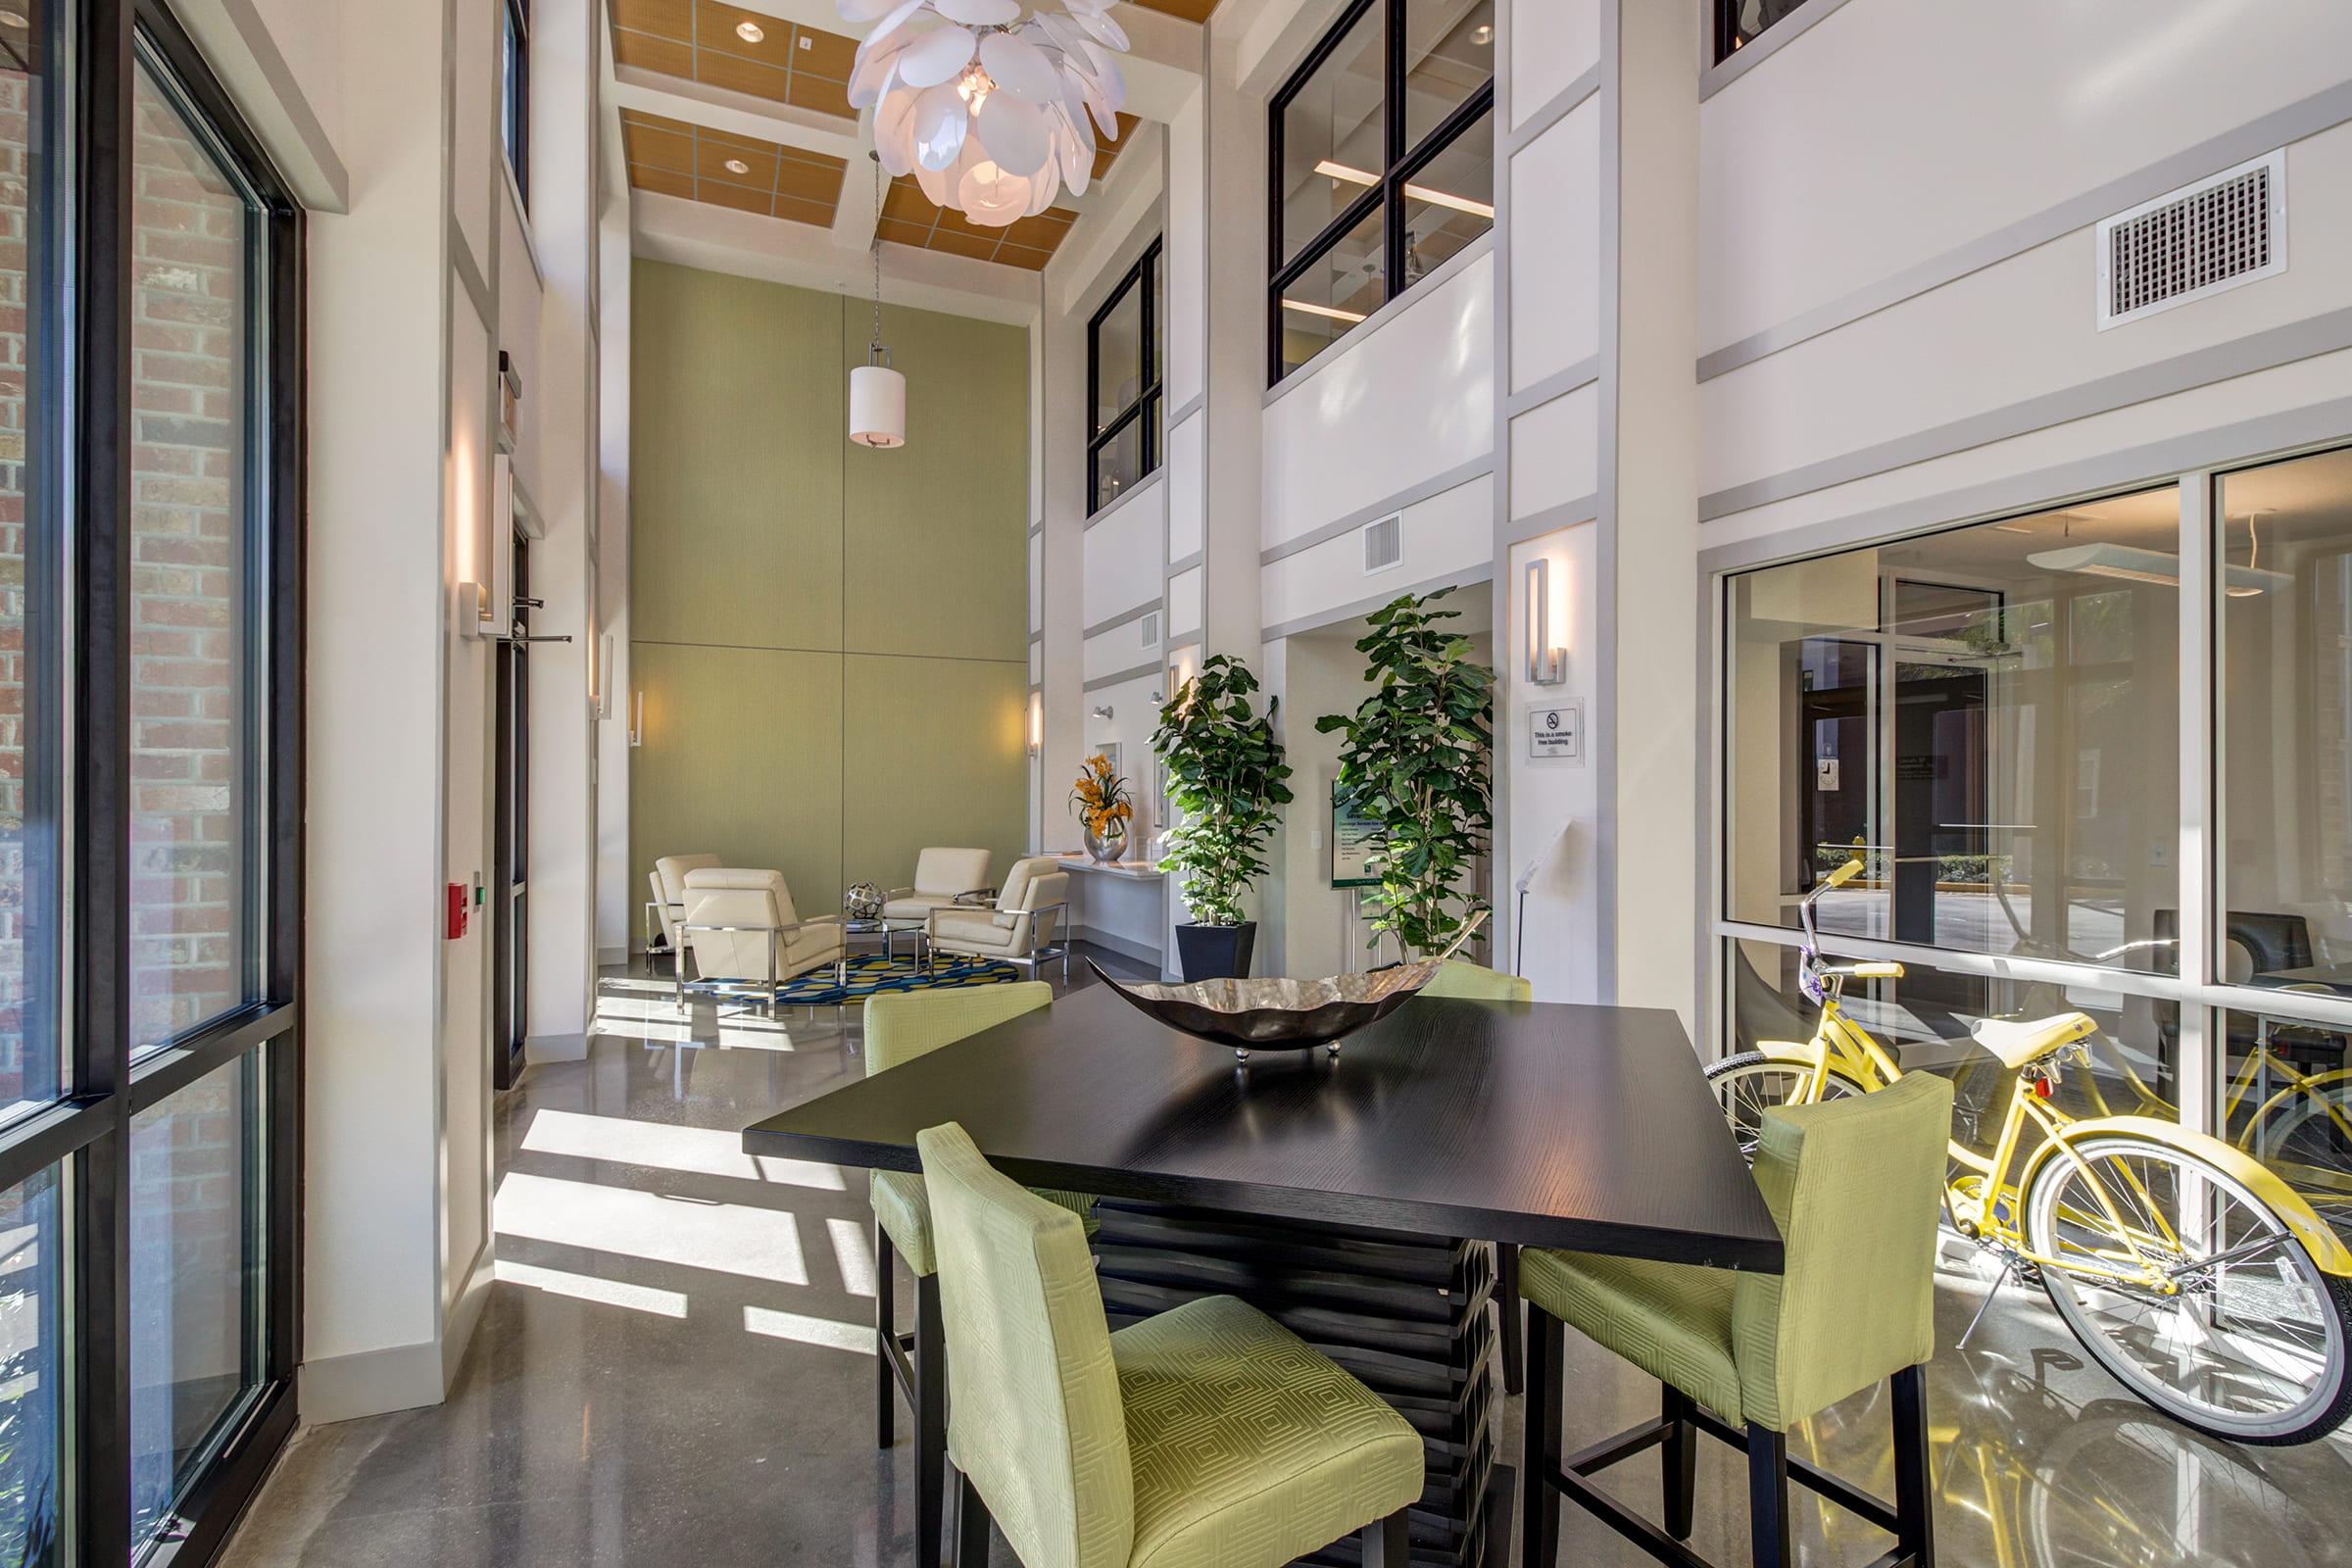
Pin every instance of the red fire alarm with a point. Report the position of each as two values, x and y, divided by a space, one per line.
455 925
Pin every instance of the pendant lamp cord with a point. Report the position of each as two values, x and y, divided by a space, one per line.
874 352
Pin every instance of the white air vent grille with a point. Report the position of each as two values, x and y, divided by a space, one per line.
1384 543
1151 628
2198 240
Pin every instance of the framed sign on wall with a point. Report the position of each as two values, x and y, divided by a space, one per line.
1353 837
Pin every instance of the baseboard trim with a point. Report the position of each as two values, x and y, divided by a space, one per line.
465 1312
619 955
554 1048
344 1387
1124 947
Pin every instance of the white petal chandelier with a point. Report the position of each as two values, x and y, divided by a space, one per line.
990 114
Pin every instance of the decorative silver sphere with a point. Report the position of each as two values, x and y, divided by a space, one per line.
863 902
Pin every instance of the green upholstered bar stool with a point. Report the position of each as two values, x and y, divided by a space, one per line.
899 1027
1854 1185
1456 978
1207 1436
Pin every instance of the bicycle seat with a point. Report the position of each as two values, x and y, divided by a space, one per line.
2019 1042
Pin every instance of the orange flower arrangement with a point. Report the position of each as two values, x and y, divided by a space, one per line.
1102 799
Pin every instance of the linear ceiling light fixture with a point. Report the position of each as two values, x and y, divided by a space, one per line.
1312 309
2133 565
990 114
1419 193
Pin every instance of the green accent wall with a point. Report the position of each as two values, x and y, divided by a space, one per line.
832 642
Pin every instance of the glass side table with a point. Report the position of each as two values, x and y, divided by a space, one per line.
889 930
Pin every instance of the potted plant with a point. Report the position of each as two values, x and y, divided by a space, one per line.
1225 778
1103 806
1415 759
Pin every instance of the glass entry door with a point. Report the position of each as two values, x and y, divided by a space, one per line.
509 934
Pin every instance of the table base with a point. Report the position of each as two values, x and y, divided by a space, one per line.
1407 1315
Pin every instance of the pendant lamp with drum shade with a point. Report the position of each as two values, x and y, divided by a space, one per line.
992 114
877 393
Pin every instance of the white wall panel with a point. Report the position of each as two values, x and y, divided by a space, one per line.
473 133
1037 662
2009 332
1445 533
1185 299
1184 602
1120 648
1552 43
1555 247
1037 582
518 297
1184 470
1133 718
1889 133
1122 554
1555 452
1384 411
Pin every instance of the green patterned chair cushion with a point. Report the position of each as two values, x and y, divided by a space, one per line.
1854 1185
905 1216
1034 1418
1671 1320
904 1025
1455 978
1249 1447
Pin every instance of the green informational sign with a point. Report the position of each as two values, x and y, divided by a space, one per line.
1354 838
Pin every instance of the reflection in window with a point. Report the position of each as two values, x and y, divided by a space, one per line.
2284 1100
1987 717
1382 164
1738 22
195 501
32 1365
195 1304
2284 710
1122 377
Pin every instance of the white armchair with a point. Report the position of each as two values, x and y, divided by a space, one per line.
1025 927
741 926
941 876
667 882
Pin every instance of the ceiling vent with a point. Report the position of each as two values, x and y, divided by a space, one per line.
1384 543
1151 628
2198 240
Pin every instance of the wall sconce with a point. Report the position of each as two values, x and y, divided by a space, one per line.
637 717
1546 662
1037 722
1102 713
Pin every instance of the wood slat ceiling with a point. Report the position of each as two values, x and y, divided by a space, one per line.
679 159
1189 10
697 40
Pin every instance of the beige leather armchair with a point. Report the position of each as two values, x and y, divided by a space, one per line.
667 882
941 876
1024 928
741 926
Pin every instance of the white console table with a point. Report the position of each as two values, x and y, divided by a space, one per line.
1119 906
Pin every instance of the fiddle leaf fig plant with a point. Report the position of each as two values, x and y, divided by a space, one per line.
1225 778
1414 758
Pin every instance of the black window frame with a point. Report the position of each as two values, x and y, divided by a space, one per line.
1142 276
514 93
86 326
1386 196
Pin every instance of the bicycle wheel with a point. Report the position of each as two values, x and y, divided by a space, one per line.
1748 1085
2251 1345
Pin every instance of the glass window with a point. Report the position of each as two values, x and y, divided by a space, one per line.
195 1307
1987 715
1738 23
514 93
1382 164
195 496
33 342
1124 357
2284 1101
31 1370
2284 718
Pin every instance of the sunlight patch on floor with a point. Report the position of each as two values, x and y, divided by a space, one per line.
696 1150
761 1244
588 1287
854 1250
819 1330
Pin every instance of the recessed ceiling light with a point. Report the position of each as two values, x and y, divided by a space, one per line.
1483 33
736 165
749 31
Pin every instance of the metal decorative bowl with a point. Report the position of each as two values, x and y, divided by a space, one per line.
863 901
1283 1014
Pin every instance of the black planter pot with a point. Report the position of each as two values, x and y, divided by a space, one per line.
1215 951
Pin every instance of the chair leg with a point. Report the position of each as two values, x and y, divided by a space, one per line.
1914 1499
1387 1542
1540 1504
971 1527
1514 1335
930 1423
1772 1540
1677 1460
885 1391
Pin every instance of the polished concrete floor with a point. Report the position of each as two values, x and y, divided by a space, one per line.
676 1370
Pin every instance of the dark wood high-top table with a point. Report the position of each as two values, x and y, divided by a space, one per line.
1345 1195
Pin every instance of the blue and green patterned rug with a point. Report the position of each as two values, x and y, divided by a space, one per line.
870 973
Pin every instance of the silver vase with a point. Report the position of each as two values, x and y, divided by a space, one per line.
1106 849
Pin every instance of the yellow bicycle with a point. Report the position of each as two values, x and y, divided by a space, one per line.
2187 1269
